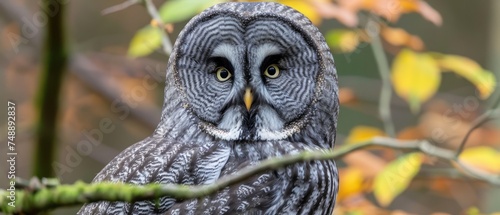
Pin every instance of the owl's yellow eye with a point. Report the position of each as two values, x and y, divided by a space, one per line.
272 71
223 74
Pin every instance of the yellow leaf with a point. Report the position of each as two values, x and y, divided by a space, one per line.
144 42
342 40
363 133
473 211
396 177
415 77
352 182
305 8
483 80
483 157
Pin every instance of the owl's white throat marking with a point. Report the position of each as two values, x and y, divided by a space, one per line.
230 126
264 125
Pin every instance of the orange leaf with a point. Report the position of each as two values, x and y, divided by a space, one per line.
399 37
371 164
393 9
346 96
328 10
429 13
411 133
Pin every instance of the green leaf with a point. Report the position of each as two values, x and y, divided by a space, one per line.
342 40
148 39
180 10
396 177
144 42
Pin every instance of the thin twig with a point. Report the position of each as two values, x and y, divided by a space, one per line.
385 94
165 40
119 7
478 122
478 173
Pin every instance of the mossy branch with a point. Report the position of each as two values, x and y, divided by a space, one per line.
80 193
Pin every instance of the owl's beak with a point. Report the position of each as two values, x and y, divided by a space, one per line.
248 98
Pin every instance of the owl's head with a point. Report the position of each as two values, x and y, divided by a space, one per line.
254 71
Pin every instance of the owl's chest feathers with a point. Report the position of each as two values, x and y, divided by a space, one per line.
301 186
296 188
228 158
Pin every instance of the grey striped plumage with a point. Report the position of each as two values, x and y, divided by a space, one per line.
206 132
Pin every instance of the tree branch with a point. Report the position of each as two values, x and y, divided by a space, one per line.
478 122
80 193
122 6
165 40
153 12
383 69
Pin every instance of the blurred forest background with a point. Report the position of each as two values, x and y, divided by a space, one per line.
441 58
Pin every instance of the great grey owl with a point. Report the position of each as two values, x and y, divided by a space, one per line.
245 82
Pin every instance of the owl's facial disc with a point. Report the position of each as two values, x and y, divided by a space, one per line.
266 56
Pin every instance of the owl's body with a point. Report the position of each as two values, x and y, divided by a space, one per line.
245 82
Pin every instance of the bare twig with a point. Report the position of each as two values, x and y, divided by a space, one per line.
383 69
165 40
494 47
478 122
122 6
153 12
478 173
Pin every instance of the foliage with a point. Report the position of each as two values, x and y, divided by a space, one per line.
396 177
